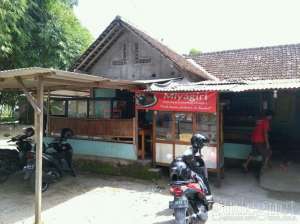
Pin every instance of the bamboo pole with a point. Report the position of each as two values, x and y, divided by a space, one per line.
48 113
39 150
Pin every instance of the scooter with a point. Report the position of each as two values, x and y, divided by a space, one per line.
57 159
190 203
13 160
189 185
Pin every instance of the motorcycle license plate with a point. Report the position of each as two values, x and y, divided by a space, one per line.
29 167
179 204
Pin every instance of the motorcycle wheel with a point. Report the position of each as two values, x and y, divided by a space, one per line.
45 184
180 216
184 216
4 174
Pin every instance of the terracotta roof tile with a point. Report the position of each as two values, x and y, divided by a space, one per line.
276 62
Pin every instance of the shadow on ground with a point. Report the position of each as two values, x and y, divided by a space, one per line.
17 199
239 194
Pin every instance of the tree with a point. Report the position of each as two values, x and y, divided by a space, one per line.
194 52
11 11
43 33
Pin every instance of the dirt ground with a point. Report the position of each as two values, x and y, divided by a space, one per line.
95 199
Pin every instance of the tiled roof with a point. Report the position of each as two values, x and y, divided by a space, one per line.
116 27
225 86
276 62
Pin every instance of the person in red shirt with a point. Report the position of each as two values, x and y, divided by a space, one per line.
260 140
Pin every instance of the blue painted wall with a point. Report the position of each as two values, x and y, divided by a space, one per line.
101 148
105 92
237 151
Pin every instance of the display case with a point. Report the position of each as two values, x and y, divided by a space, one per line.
177 116
173 132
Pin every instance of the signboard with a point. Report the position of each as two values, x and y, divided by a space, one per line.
177 101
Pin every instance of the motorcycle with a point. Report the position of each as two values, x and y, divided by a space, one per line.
13 160
189 203
57 159
189 185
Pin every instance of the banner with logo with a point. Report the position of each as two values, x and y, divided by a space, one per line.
177 101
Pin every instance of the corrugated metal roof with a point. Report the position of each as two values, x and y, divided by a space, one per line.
55 79
230 86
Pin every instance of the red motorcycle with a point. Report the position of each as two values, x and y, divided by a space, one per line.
190 203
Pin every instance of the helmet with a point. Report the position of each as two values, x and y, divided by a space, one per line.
179 170
198 141
66 133
29 132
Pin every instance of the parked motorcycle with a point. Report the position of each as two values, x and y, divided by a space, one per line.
13 160
57 159
189 185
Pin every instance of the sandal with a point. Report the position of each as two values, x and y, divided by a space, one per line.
245 169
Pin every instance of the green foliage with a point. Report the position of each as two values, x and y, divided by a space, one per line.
194 52
11 11
8 101
43 33
134 170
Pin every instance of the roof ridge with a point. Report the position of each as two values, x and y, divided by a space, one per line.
179 60
241 49
136 29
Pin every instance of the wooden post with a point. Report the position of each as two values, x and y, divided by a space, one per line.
48 112
136 132
218 137
154 138
39 150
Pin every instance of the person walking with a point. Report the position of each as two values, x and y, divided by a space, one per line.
260 140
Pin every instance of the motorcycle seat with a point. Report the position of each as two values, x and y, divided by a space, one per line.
9 154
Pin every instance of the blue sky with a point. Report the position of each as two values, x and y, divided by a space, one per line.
209 25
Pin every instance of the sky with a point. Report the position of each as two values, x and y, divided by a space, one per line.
207 25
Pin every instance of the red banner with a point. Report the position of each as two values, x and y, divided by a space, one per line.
178 101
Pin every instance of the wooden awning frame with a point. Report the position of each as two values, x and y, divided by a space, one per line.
39 80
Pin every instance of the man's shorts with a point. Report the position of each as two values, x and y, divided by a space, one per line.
260 149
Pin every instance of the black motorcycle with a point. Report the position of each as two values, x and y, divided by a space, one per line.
190 204
189 185
57 159
13 160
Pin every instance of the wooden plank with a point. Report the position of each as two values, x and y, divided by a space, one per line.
94 127
28 95
154 138
93 51
117 34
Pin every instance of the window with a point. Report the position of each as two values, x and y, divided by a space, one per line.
206 124
164 125
183 126
243 104
57 107
100 109
77 108
121 109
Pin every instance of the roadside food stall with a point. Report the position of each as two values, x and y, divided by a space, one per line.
176 116
33 82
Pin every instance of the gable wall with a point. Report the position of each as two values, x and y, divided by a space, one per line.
159 65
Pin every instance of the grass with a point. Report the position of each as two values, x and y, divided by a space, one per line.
134 170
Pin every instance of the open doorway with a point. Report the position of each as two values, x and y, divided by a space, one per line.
145 134
243 109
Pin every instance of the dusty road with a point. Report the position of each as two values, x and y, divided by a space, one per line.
97 199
